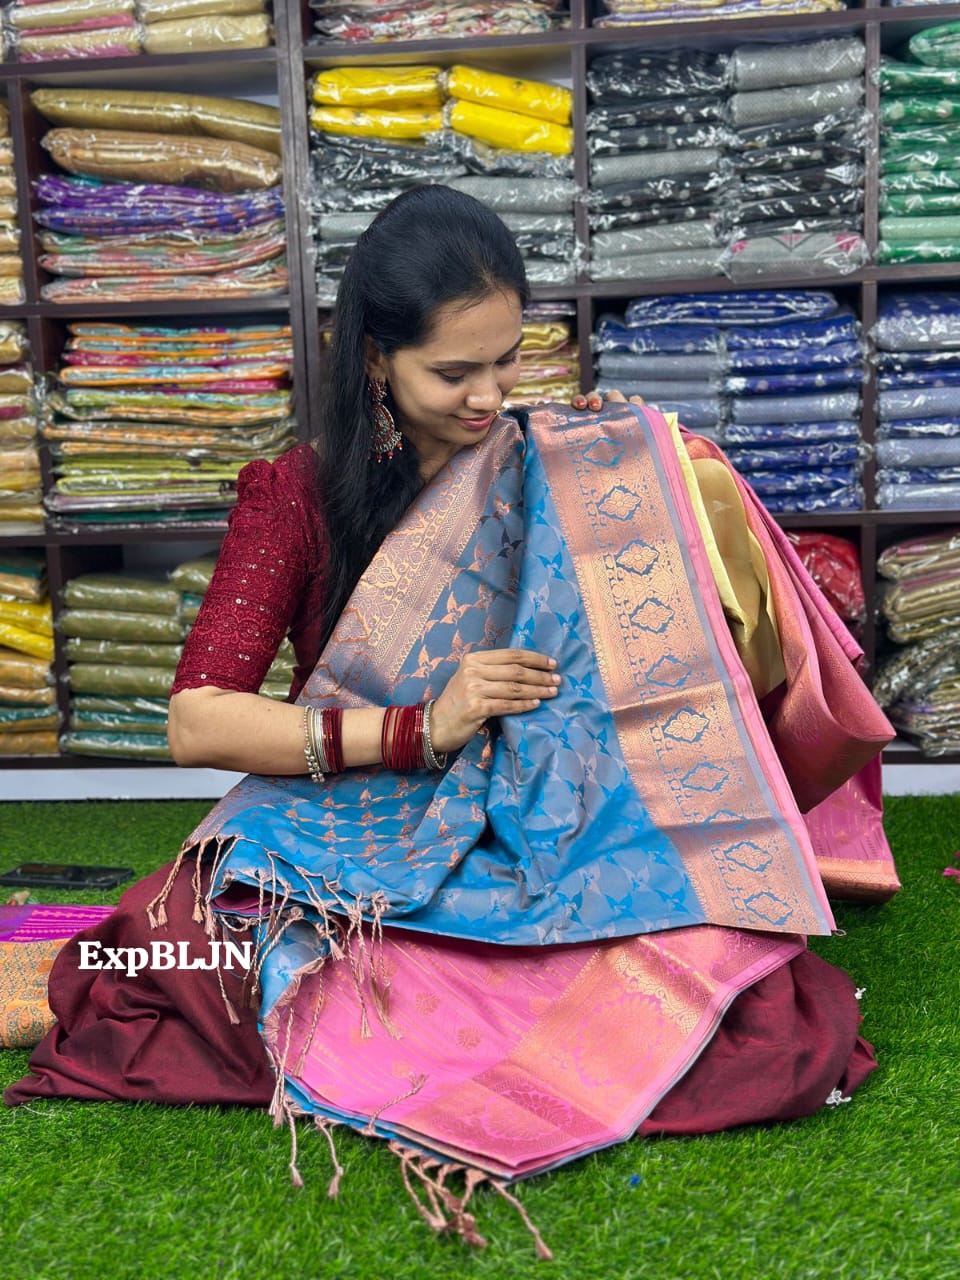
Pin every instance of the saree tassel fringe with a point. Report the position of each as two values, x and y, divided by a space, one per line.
447 1212
325 1125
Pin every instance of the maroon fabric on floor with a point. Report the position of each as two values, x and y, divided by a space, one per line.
165 1036
782 1048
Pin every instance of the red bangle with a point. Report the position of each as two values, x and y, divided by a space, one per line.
401 738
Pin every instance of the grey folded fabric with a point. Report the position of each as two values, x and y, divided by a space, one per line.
531 195
543 271
696 414
756 67
919 402
796 102
659 265
825 407
642 165
681 368
337 228
798 254
681 235
924 452
539 223
655 390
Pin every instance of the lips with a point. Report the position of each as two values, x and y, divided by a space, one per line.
478 424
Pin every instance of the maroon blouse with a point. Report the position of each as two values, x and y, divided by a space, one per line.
269 581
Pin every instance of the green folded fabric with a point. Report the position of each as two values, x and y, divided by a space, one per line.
104 624
937 46
918 251
944 228
920 202
133 746
895 159
117 591
909 77
80 649
110 678
923 180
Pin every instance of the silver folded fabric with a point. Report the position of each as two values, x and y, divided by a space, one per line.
923 452
539 223
637 166
531 195
794 102
757 67
659 265
682 369
671 235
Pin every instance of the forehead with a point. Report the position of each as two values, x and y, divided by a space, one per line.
481 330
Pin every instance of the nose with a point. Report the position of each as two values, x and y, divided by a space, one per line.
484 394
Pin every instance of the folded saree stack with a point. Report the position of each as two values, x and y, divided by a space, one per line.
28 703
775 376
659 184
169 196
41 30
124 637
203 26
376 131
21 508
919 684
798 123
549 355
389 20
151 424
11 265
917 336
920 150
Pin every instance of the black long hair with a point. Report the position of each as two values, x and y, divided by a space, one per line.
429 247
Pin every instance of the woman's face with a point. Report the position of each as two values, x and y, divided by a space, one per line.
448 391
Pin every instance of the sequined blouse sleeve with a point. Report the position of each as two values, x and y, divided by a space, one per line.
267 583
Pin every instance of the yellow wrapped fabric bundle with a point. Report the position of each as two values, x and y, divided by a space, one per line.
36 617
78 44
375 124
125 156
65 13
170 10
508 129
13 341
9 238
23 671
207 35
510 93
11 693
544 335
400 88
37 743
183 113
25 641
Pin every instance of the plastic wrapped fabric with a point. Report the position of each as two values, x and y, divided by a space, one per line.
167 10
918 228
791 458
921 203
508 129
682 369
193 575
402 88
918 320
765 106
763 67
924 452
789 383
27 743
914 158
26 640
919 109
13 341
797 253
668 137
118 155
143 654
19 719
118 746
659 264
937 46
905 251
58 14
656 112
641 166
903 361
919 497
37 696
847 499
944 377
749 307
801 334
611 333
128 626
514 195
783 433
638 212
657 391
113 678
825 407
534 98
234 119
677 73
482 158
767 185
915 666
210 33
23 576
896 77
696 414
835 201
888 477
919 402
430 19
382 162
118 41
755 360
834 565
688 235
918 556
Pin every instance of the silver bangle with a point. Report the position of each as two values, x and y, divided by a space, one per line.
433 760
313 758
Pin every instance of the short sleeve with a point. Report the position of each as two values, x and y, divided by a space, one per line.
266 562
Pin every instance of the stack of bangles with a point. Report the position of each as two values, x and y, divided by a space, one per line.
405 742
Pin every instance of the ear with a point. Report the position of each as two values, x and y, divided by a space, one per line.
374 363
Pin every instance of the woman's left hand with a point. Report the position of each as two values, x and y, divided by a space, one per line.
595 399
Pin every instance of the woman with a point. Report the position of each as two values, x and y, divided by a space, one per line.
526 791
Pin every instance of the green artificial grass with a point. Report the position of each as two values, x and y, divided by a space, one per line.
867 1190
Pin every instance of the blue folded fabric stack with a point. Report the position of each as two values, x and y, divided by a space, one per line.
917 335
774 376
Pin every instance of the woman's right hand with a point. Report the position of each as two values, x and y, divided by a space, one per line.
490 682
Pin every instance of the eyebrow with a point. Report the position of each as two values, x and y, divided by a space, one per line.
475 364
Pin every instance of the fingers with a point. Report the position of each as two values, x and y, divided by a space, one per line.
592 400
499 657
